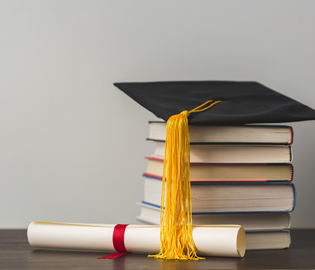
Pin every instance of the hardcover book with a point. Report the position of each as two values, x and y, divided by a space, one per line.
234 153
249 221
231 197
216 172
249 134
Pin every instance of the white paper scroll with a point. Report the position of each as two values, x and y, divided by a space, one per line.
225 240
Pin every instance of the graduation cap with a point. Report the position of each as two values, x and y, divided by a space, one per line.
201 103
243 102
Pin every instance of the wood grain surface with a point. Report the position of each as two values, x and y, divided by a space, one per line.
15 253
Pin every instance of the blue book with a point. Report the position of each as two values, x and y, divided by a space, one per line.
230 197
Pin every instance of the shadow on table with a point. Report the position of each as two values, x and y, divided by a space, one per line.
70 258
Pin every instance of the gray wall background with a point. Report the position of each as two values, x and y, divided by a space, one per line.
72 146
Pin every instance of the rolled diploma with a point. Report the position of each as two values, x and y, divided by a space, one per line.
224 240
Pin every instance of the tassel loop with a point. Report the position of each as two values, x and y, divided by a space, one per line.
186 113
206 108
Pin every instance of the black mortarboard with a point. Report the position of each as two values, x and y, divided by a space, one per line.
243 102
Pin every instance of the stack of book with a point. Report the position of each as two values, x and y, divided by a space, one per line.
239 175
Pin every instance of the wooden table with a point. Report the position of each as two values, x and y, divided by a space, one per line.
15 253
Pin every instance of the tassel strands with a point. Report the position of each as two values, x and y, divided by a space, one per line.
176 220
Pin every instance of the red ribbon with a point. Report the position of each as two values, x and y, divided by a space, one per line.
118 242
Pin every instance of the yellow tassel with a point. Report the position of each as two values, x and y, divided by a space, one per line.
176 220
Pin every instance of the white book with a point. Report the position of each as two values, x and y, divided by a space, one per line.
234 153
250 222
241 197
229 134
